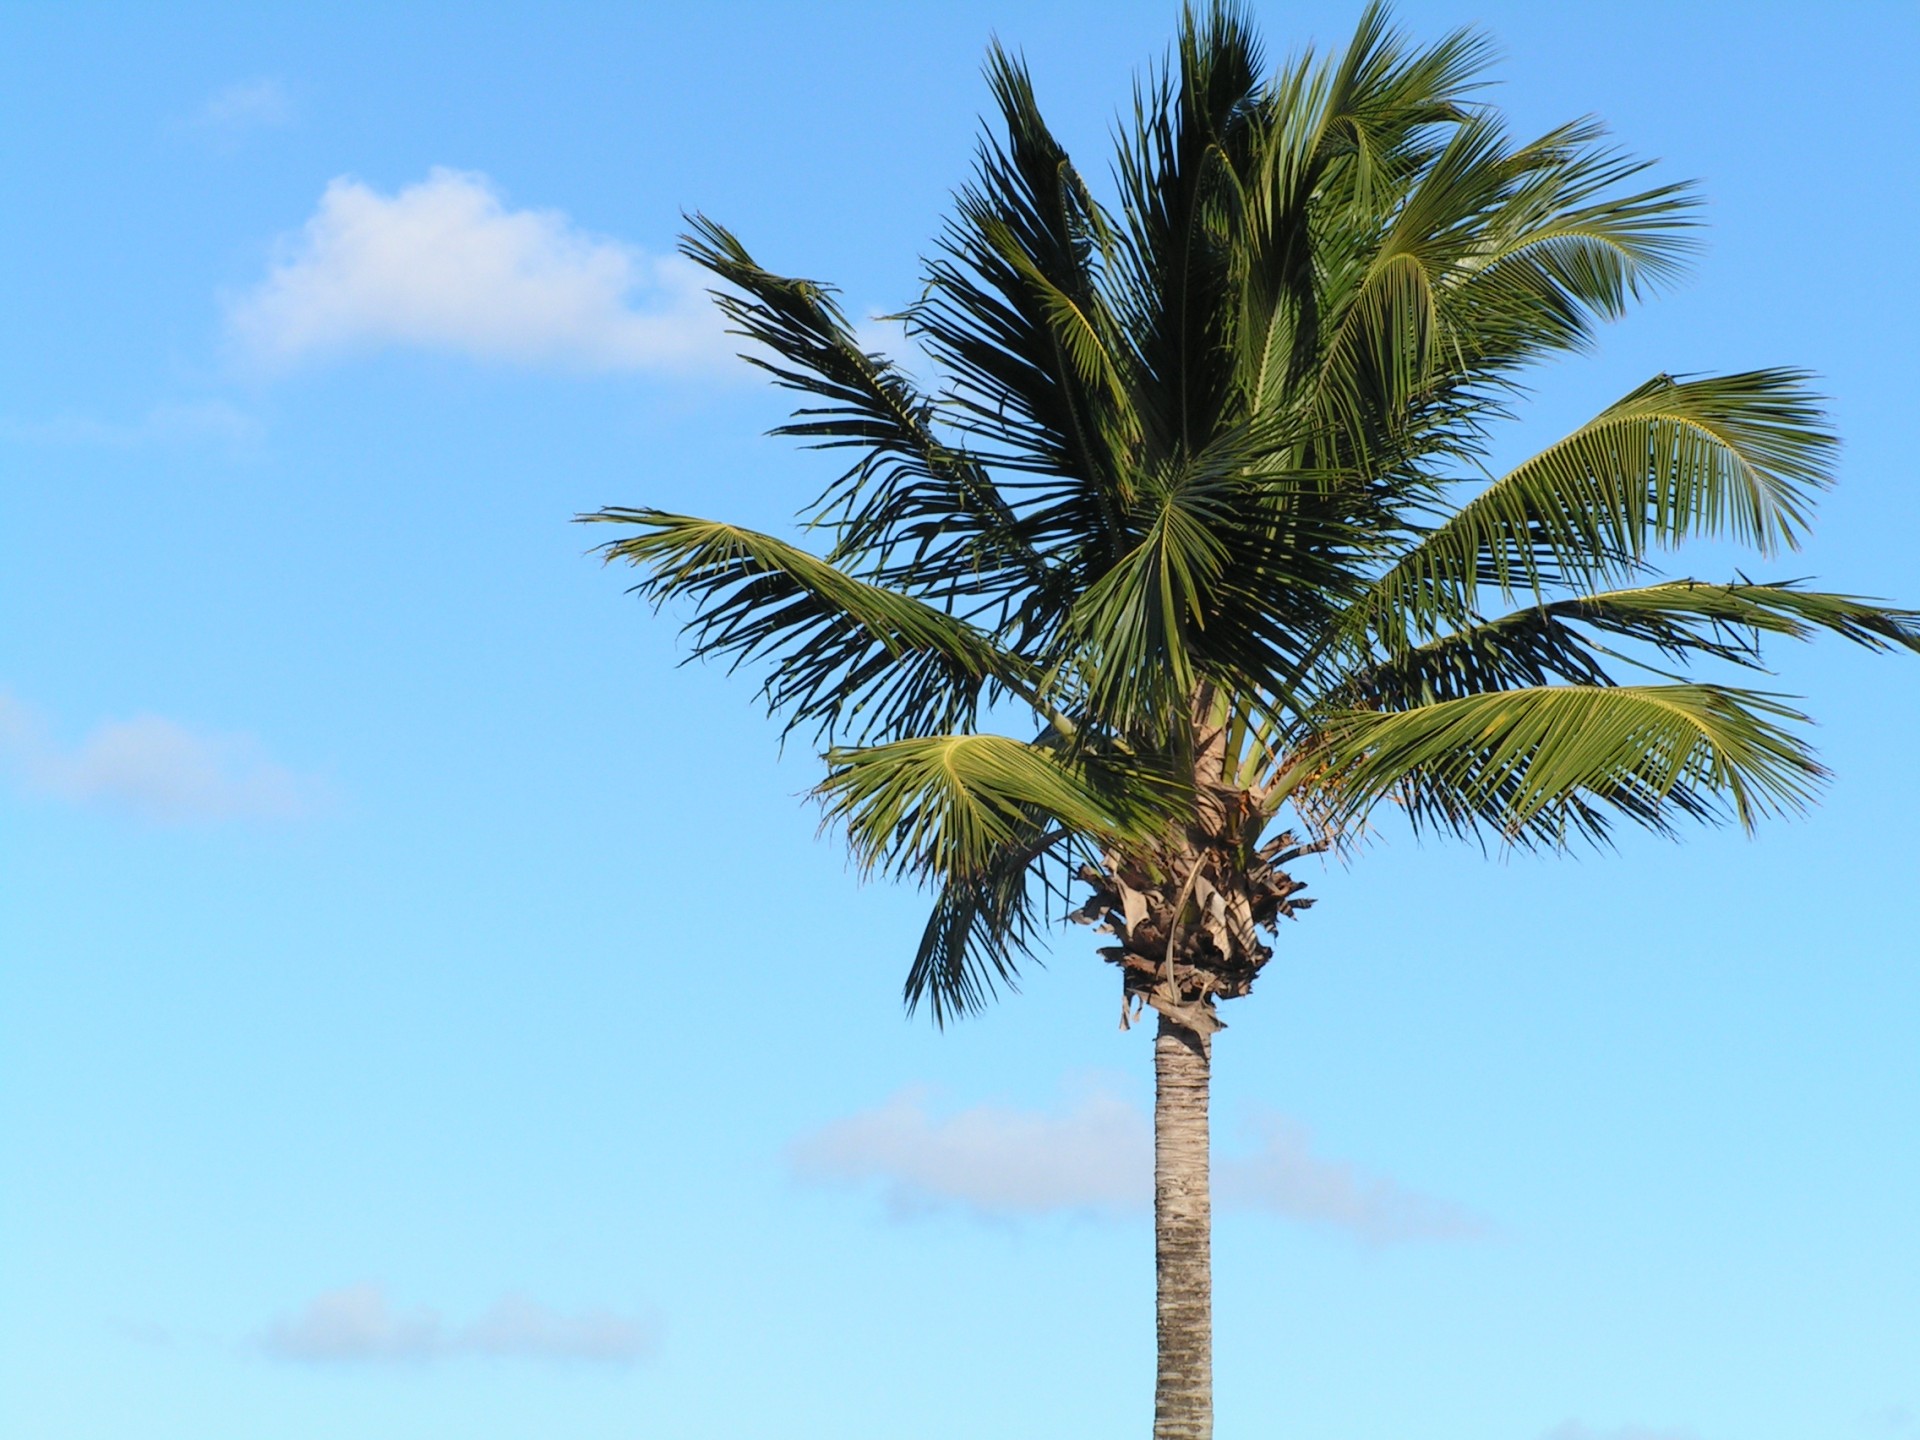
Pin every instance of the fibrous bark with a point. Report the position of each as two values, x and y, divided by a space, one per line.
1182 1243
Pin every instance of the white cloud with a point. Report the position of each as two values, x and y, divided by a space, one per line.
1285 1177
1095 1156
171 424
245 105
155 768
359 1324
445 265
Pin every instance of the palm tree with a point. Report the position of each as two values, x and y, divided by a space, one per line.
1189 559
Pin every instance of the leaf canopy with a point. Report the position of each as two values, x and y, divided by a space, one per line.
1197 491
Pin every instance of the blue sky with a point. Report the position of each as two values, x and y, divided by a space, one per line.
429 1013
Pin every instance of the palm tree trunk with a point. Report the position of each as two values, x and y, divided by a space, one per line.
1182 1235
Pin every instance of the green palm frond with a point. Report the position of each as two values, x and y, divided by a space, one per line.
1681 620
1179 168
1529 648
1559 252
1387 336
1132 626
910 493
1542 764
983 926
849 657
1015 312
943 806
1442 259
1332 142
1387 101
1740 456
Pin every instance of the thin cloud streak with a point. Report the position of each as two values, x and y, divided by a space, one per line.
256 104
992 1161
1095 1157
1284 1177
186 423
445 265
358 1324
154 768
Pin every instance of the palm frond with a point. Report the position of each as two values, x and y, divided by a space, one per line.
1682 620
1529 648
1686 618
1382 337
1545 764
1740 456
1133 627
849 657
944 806
983 926
1330 137
1558 252
1181 163
1387 100
1015 312
910 493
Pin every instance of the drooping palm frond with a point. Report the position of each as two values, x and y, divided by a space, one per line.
1683 619
1543 764
851 658
950 805
1529 648
983 925
989 824
1559 252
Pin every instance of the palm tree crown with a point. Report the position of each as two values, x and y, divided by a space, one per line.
1202 491
1193 541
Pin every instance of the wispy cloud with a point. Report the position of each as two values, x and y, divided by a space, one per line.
1094 1156
245 105
187 423
358 1324
1285 1177
445 265
155 768
518 1326
144 1333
